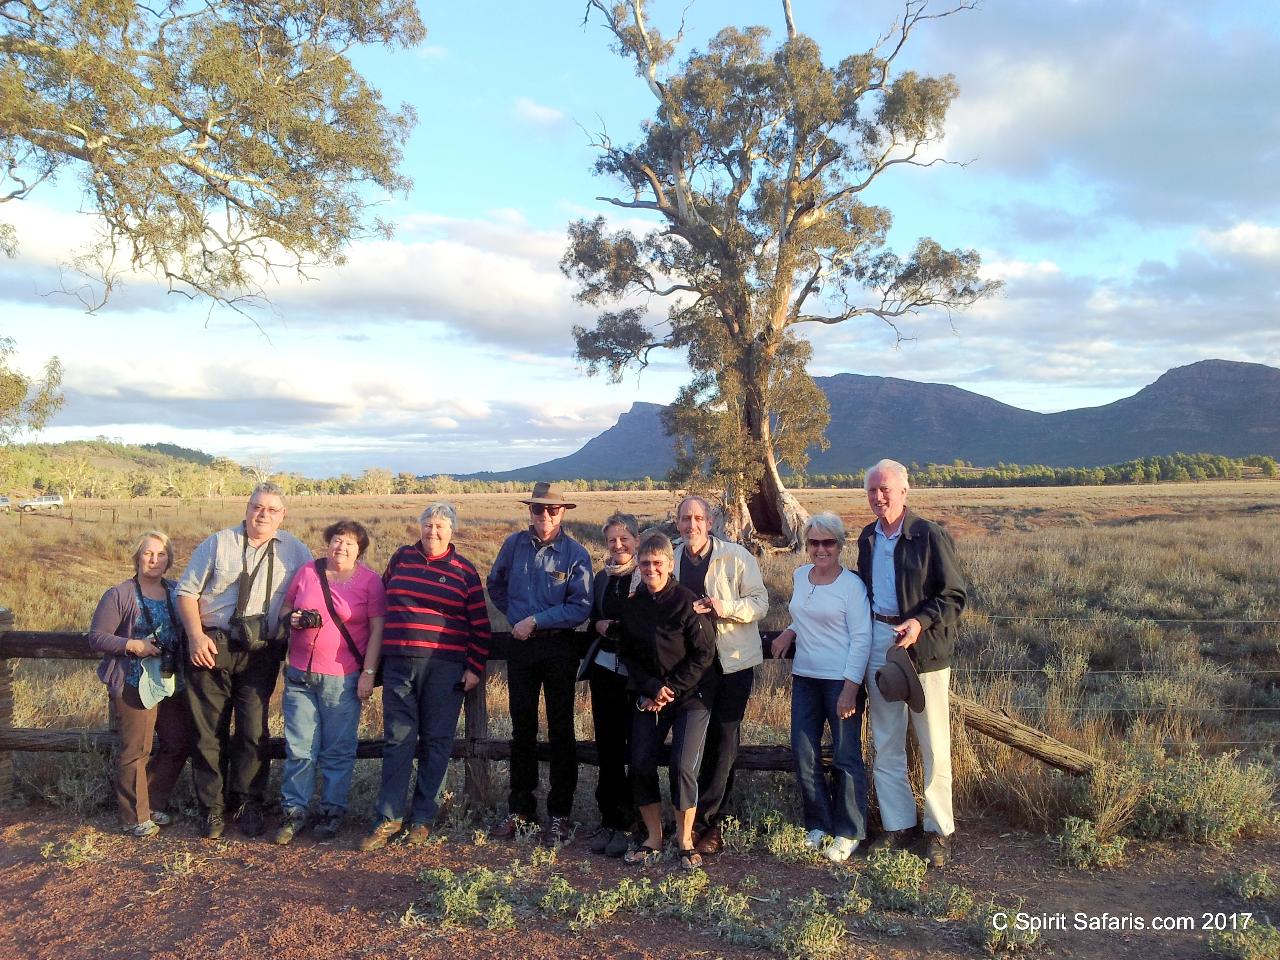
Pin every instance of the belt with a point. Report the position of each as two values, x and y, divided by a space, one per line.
885 618
549 633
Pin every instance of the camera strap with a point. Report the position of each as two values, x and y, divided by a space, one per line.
174 623
321 563
245 585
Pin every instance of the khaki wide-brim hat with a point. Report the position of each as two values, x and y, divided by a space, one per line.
549 495
897 680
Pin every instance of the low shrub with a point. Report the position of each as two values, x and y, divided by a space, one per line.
812 932
1250 884
1080 845
1206 799
894 879
1258 941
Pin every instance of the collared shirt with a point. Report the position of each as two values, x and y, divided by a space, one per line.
548 581
693 568
884 590
213 574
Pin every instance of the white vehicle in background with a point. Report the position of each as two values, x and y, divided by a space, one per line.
4 504
50 501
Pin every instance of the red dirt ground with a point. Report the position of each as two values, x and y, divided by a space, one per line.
248 899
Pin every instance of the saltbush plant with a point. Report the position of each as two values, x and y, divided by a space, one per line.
1205 799
1258 941
1080 845
894 879
1250 884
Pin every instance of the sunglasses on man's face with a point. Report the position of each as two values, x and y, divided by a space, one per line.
540 508
821 544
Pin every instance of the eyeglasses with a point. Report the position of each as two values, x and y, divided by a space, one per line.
538 509
256 508
821 544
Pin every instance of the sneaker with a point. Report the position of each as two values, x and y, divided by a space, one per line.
160 818
508 827
557 832
891 840
326 829
618 845
417 835
294 822
815 839
211 826
938 850
381 833
601 839
710 843
840 849
249 821
147 828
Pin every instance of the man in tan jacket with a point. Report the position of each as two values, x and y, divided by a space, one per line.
731 592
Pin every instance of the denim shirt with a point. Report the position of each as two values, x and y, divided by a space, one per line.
551 582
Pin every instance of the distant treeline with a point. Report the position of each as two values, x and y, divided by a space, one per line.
103 469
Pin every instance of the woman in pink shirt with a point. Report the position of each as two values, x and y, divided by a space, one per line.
328 676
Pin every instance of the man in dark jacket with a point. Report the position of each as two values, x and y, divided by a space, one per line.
917 594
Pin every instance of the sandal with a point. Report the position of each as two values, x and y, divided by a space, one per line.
690 859
642 856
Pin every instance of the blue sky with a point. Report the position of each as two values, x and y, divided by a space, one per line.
1121 182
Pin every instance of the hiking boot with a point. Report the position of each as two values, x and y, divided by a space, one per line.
211 826
160 818
890 840
557 832
418 835
147 828
618 844
937 850
248 819
710 843
601 839
326 829
294 822
508 827
379 836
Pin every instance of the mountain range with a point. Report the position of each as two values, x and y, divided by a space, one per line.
1213 406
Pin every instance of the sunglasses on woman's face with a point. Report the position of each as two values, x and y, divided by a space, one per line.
821 544
540 508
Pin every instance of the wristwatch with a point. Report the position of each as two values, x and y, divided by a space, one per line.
369 673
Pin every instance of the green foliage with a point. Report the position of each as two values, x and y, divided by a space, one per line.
992 928
1081 846
1258 941
755 164
1250 884
894 879
812 931
476 898
1207 799
26 403
215 141
83 848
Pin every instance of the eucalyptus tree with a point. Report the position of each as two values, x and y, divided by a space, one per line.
757 164
215 140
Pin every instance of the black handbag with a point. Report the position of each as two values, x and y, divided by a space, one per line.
342 627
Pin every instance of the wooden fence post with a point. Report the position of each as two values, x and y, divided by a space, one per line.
6 712
475 711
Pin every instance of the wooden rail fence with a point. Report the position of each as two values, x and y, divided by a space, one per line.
477 748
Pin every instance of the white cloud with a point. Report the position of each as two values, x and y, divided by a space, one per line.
539 115
1251 241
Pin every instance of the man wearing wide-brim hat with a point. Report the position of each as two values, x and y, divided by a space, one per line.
917 594
541 581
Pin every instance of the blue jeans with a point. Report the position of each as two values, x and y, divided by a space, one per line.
320 721
838 804
420 708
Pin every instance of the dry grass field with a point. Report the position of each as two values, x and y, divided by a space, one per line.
1141 624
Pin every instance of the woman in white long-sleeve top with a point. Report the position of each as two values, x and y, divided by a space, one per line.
831 630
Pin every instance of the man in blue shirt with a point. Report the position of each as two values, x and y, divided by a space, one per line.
541 581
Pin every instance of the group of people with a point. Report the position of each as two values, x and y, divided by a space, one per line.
670 647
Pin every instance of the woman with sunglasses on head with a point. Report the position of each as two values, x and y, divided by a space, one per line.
831 630
137 628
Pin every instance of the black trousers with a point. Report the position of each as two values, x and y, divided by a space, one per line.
551 670
228 766
687 723
611 712
715 781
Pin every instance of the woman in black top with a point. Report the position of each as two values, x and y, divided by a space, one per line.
667 649
611 707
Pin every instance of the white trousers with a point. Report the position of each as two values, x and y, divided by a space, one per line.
933 734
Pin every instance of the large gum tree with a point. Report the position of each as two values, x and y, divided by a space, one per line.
216 140
756 166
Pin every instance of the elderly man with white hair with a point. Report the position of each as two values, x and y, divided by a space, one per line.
917 594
